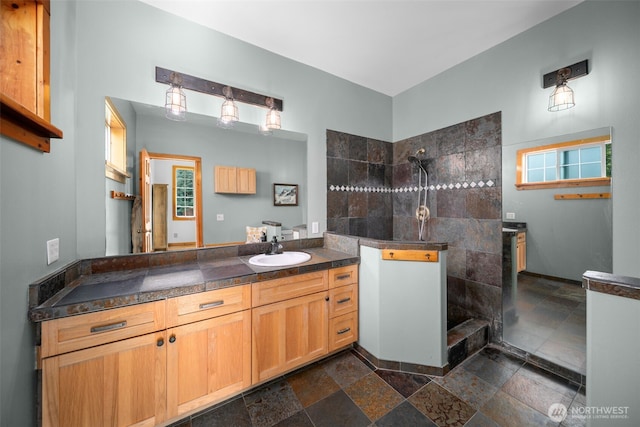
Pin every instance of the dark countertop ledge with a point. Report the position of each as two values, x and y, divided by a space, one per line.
112 289
98 284
612 284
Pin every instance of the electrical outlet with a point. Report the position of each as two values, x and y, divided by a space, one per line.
314 227
220 217
53 250
511 215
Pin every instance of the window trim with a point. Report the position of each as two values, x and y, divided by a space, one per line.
174 170
559 183
113 120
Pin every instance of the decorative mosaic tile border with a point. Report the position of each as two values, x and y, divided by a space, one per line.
450 186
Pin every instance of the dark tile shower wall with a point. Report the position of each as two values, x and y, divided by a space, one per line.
359 177
464 164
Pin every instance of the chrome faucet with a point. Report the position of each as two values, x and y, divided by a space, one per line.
275 248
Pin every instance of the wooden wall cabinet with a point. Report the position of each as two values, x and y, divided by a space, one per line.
234 180
24 73
521 251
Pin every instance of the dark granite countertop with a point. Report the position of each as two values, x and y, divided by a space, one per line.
612 284
98 288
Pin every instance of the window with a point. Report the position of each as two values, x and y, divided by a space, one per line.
576 163
115 137
183 193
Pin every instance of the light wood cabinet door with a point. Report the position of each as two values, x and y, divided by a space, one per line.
246 181
117 384
231 179
288 334
521 252
225 179
207 361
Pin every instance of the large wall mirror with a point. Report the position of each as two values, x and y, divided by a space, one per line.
277 157
568 231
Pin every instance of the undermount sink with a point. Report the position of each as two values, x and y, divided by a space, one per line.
279 260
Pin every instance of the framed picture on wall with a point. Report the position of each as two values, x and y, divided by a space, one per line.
285 194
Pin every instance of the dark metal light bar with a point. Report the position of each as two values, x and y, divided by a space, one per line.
213 88
578 69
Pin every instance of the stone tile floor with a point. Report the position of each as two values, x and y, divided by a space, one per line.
551 321
491 388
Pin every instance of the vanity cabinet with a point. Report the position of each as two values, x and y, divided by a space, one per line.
521 251
290 322
343 306
235 180
209 347
146 364
106 368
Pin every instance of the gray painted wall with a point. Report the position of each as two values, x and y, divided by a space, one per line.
508 78
61 194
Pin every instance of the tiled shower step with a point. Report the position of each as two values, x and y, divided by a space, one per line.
465 339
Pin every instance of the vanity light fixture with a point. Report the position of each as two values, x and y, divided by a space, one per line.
175 100
273 116
229 112
562 96
231 95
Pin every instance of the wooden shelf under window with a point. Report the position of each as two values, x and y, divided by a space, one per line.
19 123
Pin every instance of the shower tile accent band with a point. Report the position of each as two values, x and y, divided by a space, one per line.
405 189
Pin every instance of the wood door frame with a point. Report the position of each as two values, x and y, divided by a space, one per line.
198 188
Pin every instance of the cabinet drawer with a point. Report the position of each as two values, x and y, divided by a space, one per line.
92 329
271 291
343 300
205 305
343 276
343 330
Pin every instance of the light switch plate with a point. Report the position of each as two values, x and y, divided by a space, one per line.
220 217
53 250
314 227
511 215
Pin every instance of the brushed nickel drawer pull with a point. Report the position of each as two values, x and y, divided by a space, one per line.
211 304
343 300
343 276
343 331
105 328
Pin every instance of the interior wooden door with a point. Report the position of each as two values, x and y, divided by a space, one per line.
145 195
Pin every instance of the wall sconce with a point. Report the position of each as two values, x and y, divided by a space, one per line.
562 96
175 103
229 113
273 116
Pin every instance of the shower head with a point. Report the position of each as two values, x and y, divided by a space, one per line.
417 161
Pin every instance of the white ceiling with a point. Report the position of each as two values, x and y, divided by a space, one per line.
385 45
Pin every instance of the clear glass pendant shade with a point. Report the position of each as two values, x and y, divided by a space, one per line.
561 98
176 104
273 119
229 111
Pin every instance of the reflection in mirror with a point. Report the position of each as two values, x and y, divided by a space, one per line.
554 232
279 156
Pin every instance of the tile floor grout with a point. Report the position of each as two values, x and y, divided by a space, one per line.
490 388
